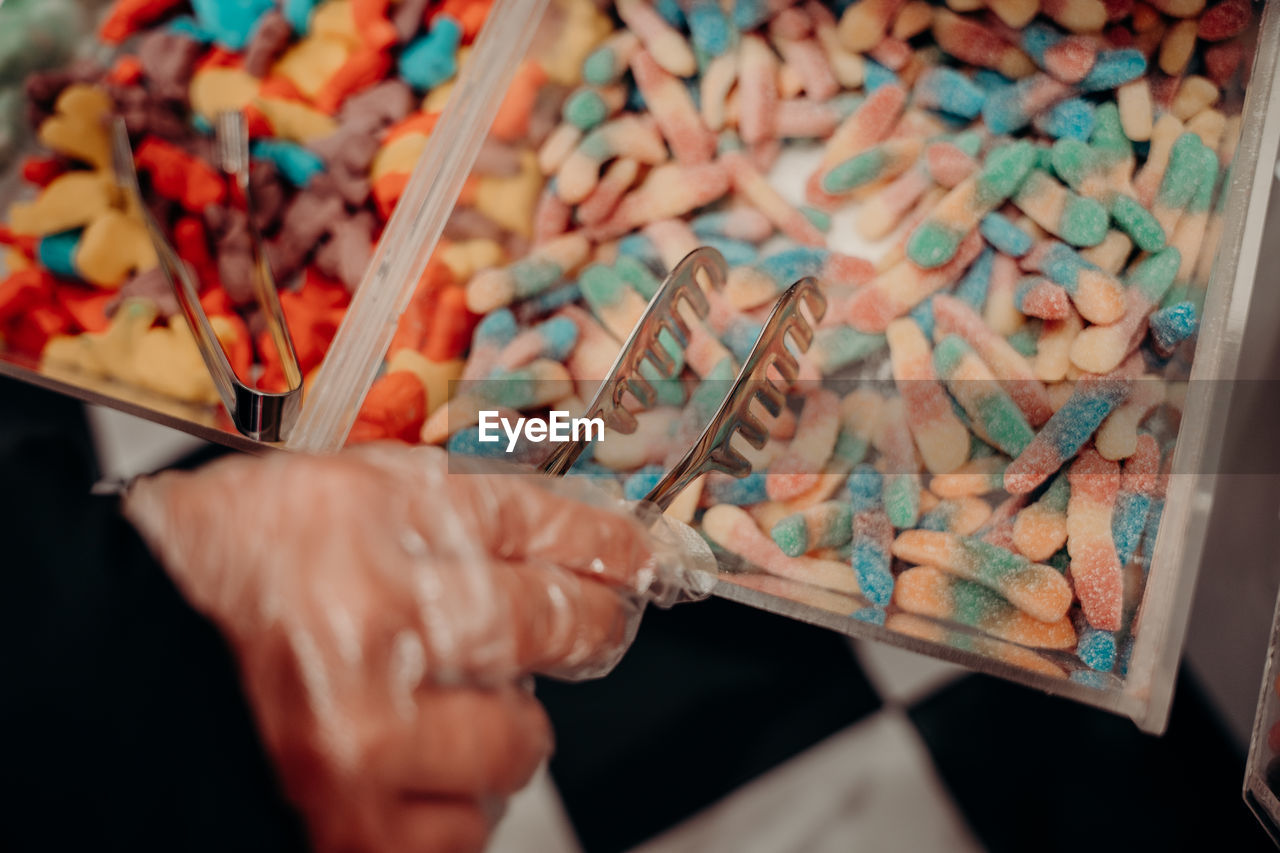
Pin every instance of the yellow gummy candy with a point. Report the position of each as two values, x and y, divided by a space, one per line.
296 122
216 90
435 376
586 27
336 20
510 201
113 246
311 62
78 127
397 157
69 201
467 257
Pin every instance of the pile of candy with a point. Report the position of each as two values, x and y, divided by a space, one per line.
340 96
1012 207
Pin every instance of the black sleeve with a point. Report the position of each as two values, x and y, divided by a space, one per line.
121 716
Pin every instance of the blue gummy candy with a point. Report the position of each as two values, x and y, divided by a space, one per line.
972 289
295 163
560 334
1000 231
865 486
1097 649
871 565
1114 68
230 22
737 253
57 253
671 12
641 482
947 89
432 59
499 327
1128 522
1172 325
709 28
298 13
1069 119
876 75
923 315
745 492
870 615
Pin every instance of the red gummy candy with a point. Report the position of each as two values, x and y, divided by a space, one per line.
30 332
375 30
128 16
363 69
395 407
24 289
179 176
87 306
450 325
41 171
1221 61
127 71
23 243
1225 20
469 14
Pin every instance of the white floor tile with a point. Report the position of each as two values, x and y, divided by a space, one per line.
871 787
535 822
901 676
128 446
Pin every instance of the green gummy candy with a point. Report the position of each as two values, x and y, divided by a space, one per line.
636 274
1002 421
1084 221
1207 165
1056 496
819 219
1182 175
1136 221
1154 275
854 172
585 109
841 346
534 275
1074 161
947 354
850 447
902 500
970 142
791 535
1108 134
1003 172
602 287
932 244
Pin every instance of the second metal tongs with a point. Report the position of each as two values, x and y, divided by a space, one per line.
768 358
260 415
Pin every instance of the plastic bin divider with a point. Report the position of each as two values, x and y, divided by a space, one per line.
358 349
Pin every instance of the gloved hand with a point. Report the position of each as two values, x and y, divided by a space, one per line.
387 609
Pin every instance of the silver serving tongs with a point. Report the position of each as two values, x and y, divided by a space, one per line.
260 415
662 313
712 450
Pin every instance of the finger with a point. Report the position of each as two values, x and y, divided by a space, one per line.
562 622
521 519
468 742
415 824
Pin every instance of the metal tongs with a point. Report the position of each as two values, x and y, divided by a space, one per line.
260 415
712 451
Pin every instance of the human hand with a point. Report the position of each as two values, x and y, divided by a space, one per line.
387 612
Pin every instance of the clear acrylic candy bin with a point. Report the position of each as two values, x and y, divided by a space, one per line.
520 28
1262 772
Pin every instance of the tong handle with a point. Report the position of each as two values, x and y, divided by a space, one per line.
662 312
260 415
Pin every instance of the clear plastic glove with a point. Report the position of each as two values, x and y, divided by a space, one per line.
386 610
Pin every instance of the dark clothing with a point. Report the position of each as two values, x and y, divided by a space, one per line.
121 709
